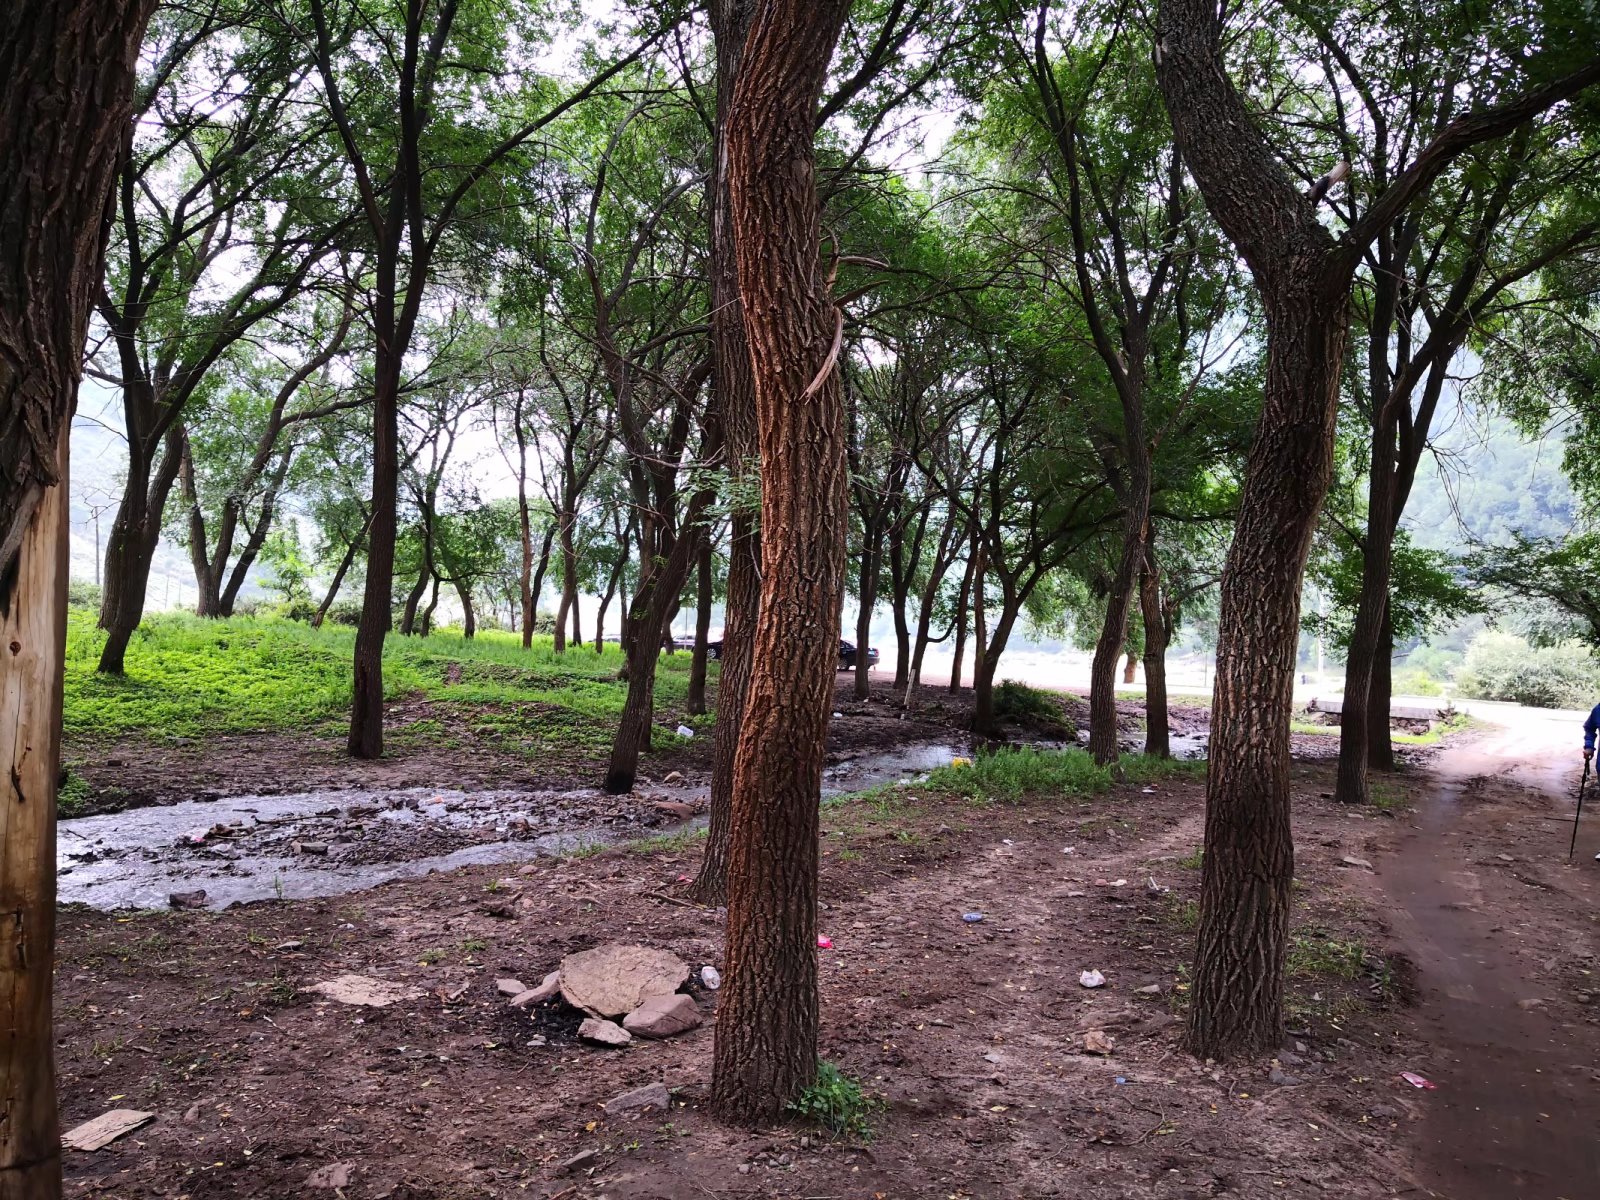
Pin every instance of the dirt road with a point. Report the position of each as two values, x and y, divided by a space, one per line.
1502 931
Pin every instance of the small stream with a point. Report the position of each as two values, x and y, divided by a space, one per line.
327 843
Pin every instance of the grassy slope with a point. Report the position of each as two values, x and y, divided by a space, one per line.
188 677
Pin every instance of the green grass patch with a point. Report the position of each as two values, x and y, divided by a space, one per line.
1012 774
190 677
1458 723
669 843
836 1102
1193 862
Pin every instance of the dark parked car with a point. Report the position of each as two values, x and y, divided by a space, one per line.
685 642
847 655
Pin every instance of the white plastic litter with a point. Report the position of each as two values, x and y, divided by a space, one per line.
1092 979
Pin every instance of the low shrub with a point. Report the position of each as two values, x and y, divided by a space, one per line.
1503 666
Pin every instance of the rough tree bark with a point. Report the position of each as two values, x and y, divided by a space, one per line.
735 398
1304 276
69 68
766 1043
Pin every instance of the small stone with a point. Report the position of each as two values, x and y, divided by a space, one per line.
291 944
335 1175
663 1016
510 987
672 777
316 848
1149 989
711 978
744 1168
805 1143
1282 1078
194 899
545 992
1097 1041
1290 1058
606 1033
651 1095
993 1057
1530 1004
1384 1112
1351 860
580 1160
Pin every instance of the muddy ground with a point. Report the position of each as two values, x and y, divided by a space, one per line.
971 1035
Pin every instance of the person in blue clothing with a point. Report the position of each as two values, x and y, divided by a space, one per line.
1590 728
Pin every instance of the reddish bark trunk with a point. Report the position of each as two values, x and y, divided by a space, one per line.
766 1043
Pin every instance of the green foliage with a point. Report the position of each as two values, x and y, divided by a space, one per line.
1503 666
1015 701
1414 681
1425 591
188 677
836 1102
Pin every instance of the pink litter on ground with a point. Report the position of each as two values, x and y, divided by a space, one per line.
1417 1081
824 943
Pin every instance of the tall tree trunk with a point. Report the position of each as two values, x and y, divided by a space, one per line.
1380 746
69 68
419 589
735 399
612 585
377 611
902 642
702 628
569 581
1114 630
1157 736
426 624
1130 668
766 1039
577 629
1350 786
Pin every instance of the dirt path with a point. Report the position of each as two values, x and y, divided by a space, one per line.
1501 930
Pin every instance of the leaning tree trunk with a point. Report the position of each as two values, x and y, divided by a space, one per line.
71 61
350 553
766 1040
131 552
986 663
1157 743
868 584
702 630
962 602
1237 1005
1114 630
736 405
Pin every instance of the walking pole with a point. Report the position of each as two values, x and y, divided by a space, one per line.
1578 815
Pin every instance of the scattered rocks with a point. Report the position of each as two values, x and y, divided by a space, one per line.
364 991
651 1095
510 987
1149 989
610 981
1351 860
543 994
663 1016
1282 1078
194 899
317 848
605 1033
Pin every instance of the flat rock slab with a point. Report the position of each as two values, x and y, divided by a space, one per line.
610 981
606 1033
334 1175
651 1095
663 1016
365 991
105 1129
